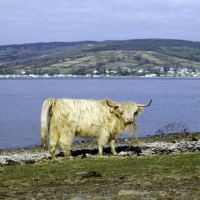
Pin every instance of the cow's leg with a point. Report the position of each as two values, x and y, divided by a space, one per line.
66 137
54 137
65 142
112 145
102 140
100 152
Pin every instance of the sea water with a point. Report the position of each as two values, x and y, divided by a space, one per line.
175 100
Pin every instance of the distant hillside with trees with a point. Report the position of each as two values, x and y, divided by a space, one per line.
119 58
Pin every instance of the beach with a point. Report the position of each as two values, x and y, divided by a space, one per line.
144 146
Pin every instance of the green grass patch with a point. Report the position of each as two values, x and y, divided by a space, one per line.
115 65
23 177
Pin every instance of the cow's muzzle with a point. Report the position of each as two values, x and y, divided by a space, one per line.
129 121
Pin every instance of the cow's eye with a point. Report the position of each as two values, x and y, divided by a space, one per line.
135 114
122 111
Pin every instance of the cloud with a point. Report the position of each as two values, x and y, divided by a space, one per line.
25 21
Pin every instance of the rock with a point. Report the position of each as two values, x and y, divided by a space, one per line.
29 196
155 145
78 173
132 192
173 146
11 162
2 161
126 153
79 198
154 167
122 153
122 177
65 197
194 139
92 174
128 192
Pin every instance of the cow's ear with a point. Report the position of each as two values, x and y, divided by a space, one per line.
112 104
139 110
114 111
111 110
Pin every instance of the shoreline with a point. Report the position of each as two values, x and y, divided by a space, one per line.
153 145
119 141
99 77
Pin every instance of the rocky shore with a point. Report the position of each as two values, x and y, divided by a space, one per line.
153 145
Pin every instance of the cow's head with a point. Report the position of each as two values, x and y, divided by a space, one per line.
127 111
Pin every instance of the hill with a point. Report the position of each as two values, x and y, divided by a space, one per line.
126 57
180 48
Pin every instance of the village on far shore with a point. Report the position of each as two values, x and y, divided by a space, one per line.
157 71
126 58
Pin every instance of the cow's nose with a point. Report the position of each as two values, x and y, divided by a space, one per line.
130 119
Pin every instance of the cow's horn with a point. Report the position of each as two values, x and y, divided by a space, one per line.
141 105
115 105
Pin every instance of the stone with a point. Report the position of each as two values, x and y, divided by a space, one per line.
154 167
37 154
132 192
128 192
79 173
78 198
92 174
122 153
30 196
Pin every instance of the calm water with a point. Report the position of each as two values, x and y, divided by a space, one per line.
174 100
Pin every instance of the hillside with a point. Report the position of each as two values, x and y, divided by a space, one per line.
128 57
180 48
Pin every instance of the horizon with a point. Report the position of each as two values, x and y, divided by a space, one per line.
96 41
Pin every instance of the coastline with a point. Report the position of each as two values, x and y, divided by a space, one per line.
99 77
152 145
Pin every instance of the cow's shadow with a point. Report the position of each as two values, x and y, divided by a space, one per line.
106 151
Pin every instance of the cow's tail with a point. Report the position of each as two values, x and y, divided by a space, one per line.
45 121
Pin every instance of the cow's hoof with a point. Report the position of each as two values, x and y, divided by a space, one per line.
71 157
53 159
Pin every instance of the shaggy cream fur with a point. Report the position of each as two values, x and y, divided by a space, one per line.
102 119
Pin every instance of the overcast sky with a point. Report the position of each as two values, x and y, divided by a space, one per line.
30 21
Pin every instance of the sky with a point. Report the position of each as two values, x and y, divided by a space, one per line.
31 21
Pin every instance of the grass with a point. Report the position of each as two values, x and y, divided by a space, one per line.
36 57
115 65
24 177
104 57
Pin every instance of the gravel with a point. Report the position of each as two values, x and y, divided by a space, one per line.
153 145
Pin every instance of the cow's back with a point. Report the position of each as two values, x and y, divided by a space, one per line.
89 117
